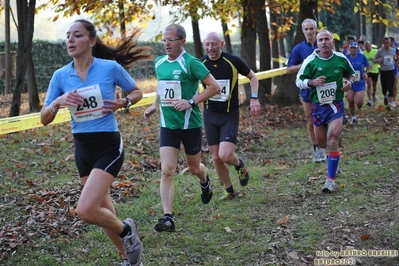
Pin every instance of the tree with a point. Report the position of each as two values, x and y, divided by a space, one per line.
26 18
33 92
196 34
225 11
110 15
342 21
227 40
262 29
248 39
194 9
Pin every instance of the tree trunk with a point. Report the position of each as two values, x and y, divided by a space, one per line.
122 24
262 29
381 29
26 18
275 53
197 38
34 101
248 41
281 49
358 22
227 41
286 90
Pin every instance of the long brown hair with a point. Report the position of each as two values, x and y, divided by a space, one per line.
126 52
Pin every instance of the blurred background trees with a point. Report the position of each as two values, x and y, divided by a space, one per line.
268 29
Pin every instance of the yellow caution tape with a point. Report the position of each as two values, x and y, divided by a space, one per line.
24 122
29 121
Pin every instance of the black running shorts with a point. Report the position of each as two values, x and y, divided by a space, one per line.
101 150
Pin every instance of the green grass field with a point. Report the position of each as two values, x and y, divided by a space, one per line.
282 219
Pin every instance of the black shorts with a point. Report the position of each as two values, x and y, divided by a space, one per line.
101 150
221 127
373 76
191 139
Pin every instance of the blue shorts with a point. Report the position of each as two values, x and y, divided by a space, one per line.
358 88
323 114
305 95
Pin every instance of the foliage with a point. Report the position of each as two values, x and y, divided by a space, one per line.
108 14
342 22
377 17
48 56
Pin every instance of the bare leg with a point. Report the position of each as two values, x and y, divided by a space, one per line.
168 164
224 154
309 124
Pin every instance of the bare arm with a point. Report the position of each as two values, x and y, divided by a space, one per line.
212 88
48 113
254 104
134 96
293 69
151 110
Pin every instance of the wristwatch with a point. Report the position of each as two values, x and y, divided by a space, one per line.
128 102
254 95
191 102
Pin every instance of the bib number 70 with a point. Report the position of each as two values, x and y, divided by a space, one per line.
169 94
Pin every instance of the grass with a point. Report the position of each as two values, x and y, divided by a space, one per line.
282 219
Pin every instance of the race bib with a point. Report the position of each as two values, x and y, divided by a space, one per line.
388 60
357 75
169 92
92 107
224 93
326 92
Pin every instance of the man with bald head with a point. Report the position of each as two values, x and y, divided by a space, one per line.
328 74
221 112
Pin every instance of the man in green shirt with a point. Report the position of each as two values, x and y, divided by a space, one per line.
179 74
329 74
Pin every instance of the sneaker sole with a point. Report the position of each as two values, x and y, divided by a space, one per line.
231 197
326 190
159 230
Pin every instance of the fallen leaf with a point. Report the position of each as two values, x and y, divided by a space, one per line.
283 220
365 236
